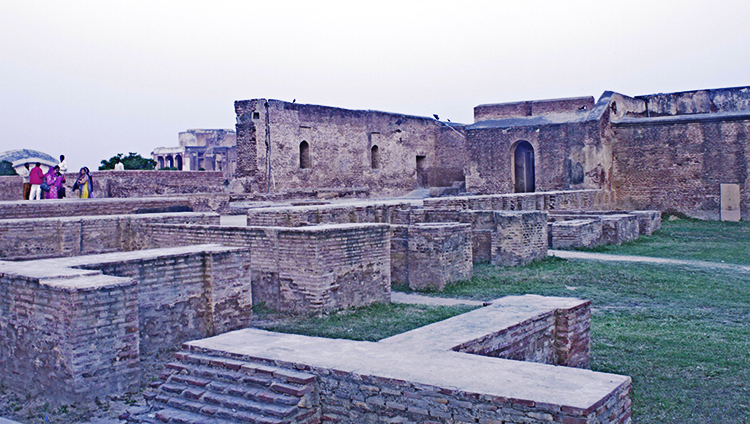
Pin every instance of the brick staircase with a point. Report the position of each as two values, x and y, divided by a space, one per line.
203 389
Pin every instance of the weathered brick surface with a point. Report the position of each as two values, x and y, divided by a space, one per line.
71 330
574 233
94 207
519 239
438 254
34 238
348 162
68 339
304 269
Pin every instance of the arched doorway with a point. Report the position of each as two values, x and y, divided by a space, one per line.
170 162
523 168
178 159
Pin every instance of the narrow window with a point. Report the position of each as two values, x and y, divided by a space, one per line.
421 172
304 155
256 115
375 157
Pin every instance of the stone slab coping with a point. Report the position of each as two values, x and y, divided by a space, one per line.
62 272
574 222
341 205
109 217
498 315
535 382
94 200
6 421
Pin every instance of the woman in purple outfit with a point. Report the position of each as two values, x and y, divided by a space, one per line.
54 180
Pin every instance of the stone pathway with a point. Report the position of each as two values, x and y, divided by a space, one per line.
397 297
568 254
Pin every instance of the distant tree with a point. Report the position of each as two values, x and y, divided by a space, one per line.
132 161
6 168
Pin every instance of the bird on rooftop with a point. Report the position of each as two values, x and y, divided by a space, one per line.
436 117
294 101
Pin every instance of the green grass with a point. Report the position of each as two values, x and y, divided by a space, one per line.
368 323
682 334
713 241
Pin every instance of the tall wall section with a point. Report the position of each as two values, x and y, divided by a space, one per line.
317 146
677 157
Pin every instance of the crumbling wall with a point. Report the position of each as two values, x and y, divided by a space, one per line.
343 148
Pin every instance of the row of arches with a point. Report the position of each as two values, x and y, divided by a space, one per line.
170 162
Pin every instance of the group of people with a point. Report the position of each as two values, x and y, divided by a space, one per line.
38 185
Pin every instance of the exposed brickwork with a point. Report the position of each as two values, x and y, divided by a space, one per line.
57 237
520 238
68 339
96 207
575 233
304 269
71 330
348 162
438 254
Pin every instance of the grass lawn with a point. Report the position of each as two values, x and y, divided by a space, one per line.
682 334
712 241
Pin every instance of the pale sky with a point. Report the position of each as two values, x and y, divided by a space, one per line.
90 79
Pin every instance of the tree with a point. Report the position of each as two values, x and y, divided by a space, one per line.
132 161
6 168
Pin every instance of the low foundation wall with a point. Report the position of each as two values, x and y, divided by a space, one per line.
25 239
551 200
419 376
437 254
76 328
575 233
302 269
25 209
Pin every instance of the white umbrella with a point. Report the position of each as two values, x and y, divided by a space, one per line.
32 161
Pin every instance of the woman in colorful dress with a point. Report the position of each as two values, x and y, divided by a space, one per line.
83 184
50 178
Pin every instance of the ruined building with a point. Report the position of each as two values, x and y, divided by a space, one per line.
204 150
673 152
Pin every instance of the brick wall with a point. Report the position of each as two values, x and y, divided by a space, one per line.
575 233
399 138
520 238
67 339
95 207
438 254
11 187
23 239
77 328
307 268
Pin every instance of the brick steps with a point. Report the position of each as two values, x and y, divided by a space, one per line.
208 389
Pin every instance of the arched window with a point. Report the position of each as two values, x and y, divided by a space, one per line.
170 162
304 155
375 157
178 158
523 168
161 162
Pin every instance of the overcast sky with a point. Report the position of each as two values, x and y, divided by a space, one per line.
90 79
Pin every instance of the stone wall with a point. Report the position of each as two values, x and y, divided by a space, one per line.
73 329
519 239
575 233
11 187
387 152
302 269
419 376
551 200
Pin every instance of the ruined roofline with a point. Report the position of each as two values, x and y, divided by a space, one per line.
333 109
541 101
710 90
207 130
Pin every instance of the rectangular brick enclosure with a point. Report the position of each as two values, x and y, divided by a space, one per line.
451 371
